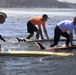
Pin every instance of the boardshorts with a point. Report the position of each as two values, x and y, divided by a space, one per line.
31 28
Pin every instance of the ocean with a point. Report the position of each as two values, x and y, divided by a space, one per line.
16 26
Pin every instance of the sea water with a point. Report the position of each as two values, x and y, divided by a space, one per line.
16 26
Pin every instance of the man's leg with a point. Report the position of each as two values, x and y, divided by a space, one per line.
37 34
66 35
29 36
30 29
57 34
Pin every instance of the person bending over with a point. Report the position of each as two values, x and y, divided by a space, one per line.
31 28
65 28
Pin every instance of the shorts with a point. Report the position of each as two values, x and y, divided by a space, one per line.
31 28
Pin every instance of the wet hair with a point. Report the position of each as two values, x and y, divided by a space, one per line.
44 15
3 15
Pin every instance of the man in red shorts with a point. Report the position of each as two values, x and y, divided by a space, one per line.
31 28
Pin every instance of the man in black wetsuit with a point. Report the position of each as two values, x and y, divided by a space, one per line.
3 16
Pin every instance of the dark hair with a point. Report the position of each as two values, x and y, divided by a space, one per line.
44 15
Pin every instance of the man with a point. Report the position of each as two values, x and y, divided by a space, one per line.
61 30
31 28
3 16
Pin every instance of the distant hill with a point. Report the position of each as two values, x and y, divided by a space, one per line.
35 4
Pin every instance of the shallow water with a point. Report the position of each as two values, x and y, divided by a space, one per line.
15 26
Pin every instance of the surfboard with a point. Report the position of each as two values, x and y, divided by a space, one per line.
55 47
37 40
33 53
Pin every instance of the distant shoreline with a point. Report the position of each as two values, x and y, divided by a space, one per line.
53 4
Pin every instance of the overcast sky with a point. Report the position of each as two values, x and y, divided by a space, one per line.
71 1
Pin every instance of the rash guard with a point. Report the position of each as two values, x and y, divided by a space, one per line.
37 21
66 25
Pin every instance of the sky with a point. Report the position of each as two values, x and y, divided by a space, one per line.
70 1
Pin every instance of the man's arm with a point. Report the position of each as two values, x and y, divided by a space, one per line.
71 40
40 31
45 31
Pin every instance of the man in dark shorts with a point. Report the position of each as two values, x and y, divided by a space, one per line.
31 28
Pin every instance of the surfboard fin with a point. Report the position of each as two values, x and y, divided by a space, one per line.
24 40
19 40
40 45
2 38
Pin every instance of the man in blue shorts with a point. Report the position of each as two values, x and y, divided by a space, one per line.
64 28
